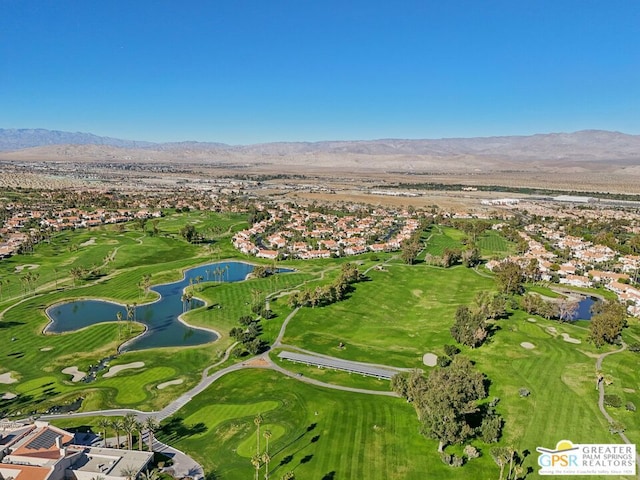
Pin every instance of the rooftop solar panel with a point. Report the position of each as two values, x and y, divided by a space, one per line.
45 440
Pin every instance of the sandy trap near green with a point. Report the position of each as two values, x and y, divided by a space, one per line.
164 385
76 374
118 368
7 378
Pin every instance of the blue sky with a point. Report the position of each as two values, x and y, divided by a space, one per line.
249 71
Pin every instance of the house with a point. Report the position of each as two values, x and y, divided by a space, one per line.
39 451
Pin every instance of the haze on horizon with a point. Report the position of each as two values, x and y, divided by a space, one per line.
250 71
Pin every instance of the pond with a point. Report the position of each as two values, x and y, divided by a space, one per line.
584 308
163 327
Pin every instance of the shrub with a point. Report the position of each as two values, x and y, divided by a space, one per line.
523 392
471 452
443 361
630 406
613 401
451 350
494 402
451 460
634 347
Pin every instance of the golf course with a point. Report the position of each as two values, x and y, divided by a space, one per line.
322 423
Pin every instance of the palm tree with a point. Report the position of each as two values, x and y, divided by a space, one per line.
150 475
103 424
129 426
119 318
266 459
138 428
267 436
255 461
151 424
117 425
258 421
129 471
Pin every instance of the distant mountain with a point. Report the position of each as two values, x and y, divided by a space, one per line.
582 146
21 138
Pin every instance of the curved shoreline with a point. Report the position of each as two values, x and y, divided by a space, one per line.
147 330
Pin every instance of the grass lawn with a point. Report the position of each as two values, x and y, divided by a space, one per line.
317 433
492 244
394 319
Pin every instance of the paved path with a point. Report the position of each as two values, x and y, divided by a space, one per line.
604 412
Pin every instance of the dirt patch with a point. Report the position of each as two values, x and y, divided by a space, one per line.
528 345
257 362
417 293
77 375
430 359
569 339
164 385
7 378
118 368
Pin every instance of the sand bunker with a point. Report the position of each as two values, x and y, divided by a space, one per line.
532 320
430 359
91 241
118 368
628 390
7 378
527 345
46 349
551 330
29 266
569 339
77 374
8 396
177 381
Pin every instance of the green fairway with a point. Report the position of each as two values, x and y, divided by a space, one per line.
399 313
397 317
316 432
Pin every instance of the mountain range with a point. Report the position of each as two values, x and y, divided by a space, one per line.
589 143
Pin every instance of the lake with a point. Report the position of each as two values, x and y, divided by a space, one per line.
164 329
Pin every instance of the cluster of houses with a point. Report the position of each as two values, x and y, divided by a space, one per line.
13 235
585 266
294 232
39 451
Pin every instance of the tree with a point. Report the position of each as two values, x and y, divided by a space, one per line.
469 327
103 424
471 257
188 232
266 459
567 310
509 276
501 455
410 250
449 397
451 256
258 421
255 461
607 322
129 472
151 424
129 426
117 425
